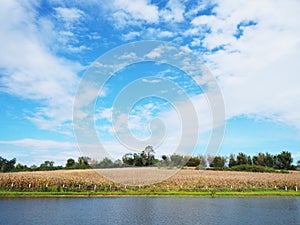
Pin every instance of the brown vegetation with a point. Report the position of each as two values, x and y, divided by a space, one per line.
132 178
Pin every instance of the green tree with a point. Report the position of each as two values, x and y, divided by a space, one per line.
106 163
117 163
269 160
164 157
249 160
193 161
232 161
149 152
83 160
20 167
261 159
47 165
241 159
33 167
70 163
127 159
7 165
255 160
219 162
177 160
138 160
283 160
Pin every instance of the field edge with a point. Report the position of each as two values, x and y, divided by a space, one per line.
213 194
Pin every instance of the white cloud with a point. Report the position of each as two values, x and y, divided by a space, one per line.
131 35
165 34
130 55
151 80
155 53
76 49
65 28
69 15
31 71
135 9
195 42
35 151
43 144
174 11
259 71
105 113
201 6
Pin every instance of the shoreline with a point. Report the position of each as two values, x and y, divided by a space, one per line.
9 194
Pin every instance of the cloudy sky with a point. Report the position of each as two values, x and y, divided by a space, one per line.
251 48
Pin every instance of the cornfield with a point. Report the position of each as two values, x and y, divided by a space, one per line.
150 179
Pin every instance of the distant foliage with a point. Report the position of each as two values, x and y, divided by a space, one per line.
282 161
145 158
7 165
262 162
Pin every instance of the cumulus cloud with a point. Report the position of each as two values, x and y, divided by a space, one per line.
252 47
31 71
69 15
131 35
174 11
126 12
257 71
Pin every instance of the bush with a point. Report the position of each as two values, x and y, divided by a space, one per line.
254 168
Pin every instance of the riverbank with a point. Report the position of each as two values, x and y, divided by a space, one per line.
211 193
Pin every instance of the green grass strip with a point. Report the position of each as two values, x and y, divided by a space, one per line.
145 193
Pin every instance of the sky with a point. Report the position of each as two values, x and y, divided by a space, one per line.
51 52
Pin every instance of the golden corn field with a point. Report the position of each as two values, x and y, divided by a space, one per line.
146 178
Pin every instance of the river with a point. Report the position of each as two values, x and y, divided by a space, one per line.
150 210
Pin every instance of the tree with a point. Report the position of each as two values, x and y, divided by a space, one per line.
210 160
202 161
283 160
33 167
117 163
137 159
269 160
255 160
261 159
7 165
127 159
241 159
193 161
249 160
149 151
106 163
177 160
232 161
83 160
70 163
164 157
47 165
20 167
219 162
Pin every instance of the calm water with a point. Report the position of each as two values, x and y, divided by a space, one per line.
146 210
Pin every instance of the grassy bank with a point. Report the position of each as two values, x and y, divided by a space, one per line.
146 193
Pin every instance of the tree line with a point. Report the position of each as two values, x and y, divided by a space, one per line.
11 166
262 162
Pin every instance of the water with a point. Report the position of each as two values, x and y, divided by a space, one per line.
150 210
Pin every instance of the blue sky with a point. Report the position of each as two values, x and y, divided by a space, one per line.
251 48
